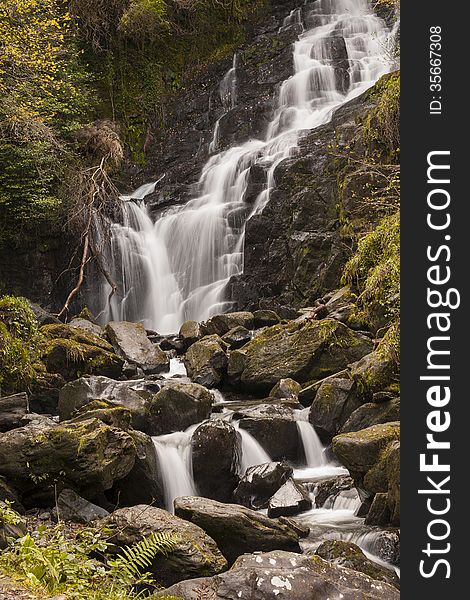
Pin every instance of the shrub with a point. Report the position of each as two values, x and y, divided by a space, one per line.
60 561
20 340
374 271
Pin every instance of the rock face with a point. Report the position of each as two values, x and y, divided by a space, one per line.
78 394
291 499
285 576
196 554
360 451
12 410
87 457
275 428
87 326
190 332
286 388
349 555
222 324
71 507
265 318
302 351
206 361
142 485
373 373
334 402
70 352
260 483
372 456
216 451
371 414
237 337
236 529
131 342
178 406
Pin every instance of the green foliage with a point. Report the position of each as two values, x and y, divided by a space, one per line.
374 270
382 126
20 341
8 515
60 561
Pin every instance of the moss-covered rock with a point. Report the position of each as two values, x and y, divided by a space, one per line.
334 402
359 451
206 361
195 554
237 530
302 351
372 413
130 341
178 406
347 554
87 457
222 324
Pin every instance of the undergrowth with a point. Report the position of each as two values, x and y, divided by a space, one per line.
53 560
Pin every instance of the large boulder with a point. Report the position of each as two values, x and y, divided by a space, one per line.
12 411
131 342
190 332
216 452
371 414
265 318
329 489
301 350
285 576
88 326
76 395
393 477
372 456
71 352
260 483
87 457
236 529
206 361
360 451
72 507
237 337
143 484
222 324
374 373
290 500
178 406
195 554
347 554
286 388
335 401
275 428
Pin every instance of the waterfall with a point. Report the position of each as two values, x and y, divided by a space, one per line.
252 451
313 448
178 267
174 457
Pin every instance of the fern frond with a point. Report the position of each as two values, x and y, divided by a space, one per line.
134 559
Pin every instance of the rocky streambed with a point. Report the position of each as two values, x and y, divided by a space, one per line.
271 447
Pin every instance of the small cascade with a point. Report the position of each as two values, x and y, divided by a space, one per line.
313 448
345 500
228 97
252 451
174 457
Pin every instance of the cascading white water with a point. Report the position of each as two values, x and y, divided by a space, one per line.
313 448
252 451
178 268
174 457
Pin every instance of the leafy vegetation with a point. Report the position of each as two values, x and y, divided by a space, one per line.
20 341
55 560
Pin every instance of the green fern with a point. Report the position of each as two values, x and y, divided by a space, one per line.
133 561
